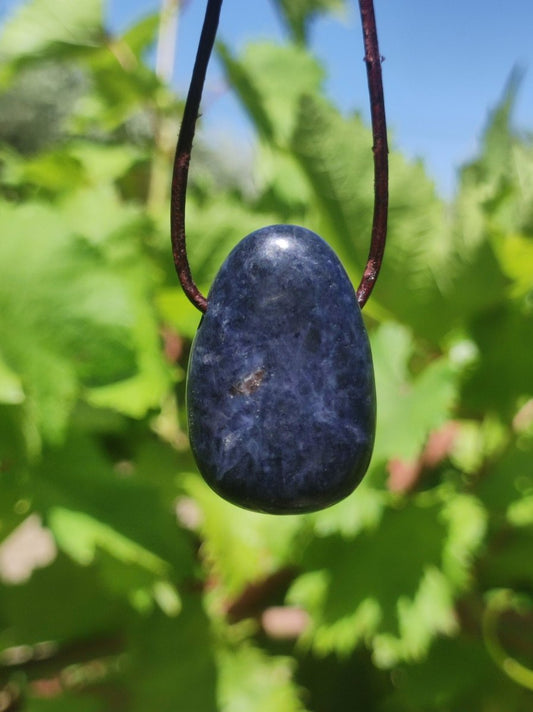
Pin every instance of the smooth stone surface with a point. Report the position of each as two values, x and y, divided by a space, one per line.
280 393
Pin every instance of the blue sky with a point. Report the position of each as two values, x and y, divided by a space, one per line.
446 66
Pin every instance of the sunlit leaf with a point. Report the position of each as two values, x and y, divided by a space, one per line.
298 14
11 390
361 510
389 587
509 478
217 225
108 509
38 23
142 34
251 681
272 105
409 407
241 546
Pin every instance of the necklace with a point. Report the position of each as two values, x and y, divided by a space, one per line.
280 386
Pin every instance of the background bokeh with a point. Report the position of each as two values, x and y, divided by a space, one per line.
444 67
126 584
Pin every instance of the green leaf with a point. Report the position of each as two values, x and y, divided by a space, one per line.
432 264
520 514
508 478
505 567
361 510
515 253
18 443
240 546
140 36
491 171
408 407
115 229
35 109
103 165
39 23
283 185
173 666
251 681
176 309
467 526
502 374
11 390
64 703
122 86
85 302
51 172
59 603
298 14
80 535
127 569
458 675
91 505
393 586
65 318
335 155
271 104
135 396
216 226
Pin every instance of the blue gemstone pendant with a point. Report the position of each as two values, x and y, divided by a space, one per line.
280 392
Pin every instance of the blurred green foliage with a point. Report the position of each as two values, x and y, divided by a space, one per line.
126 583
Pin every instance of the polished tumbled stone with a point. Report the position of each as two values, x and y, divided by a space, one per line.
281 399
